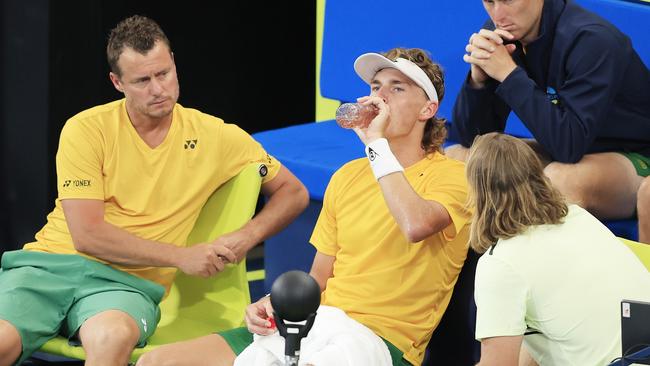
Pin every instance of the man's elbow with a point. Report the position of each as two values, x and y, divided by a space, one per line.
418 230
83 239
81 243
417 233
302 196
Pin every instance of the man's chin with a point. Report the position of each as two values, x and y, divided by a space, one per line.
160 113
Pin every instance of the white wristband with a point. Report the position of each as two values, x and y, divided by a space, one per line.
382 160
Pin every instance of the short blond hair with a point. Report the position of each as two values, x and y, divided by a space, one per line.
508 190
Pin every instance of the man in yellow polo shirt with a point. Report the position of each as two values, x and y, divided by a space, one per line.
133 176
393 232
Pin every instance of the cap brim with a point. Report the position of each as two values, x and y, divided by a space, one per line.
368 64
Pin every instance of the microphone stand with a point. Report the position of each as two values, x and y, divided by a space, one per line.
295 296
293 334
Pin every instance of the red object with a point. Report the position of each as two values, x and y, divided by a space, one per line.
272 320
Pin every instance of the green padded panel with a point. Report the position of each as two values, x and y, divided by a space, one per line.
196 306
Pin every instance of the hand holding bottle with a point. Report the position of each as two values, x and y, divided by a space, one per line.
378 124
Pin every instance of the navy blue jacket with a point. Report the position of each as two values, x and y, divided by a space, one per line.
580 88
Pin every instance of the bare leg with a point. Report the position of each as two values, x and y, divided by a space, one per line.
643 211
10 344
210 350
606 184
109 338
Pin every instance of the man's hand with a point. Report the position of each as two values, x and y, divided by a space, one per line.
378 125
257 317
489 57
237 242
205 260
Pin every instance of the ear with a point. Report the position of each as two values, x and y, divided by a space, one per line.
428 110
117 84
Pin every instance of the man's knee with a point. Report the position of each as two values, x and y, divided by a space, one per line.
151 359
10 343
458 152
109 329
643 196
569 182
157 358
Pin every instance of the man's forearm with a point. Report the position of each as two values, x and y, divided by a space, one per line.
116 245
417 218
282 207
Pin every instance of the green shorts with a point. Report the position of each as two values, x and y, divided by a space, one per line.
43 295
641 163
240 338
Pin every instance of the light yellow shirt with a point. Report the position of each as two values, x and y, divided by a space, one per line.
155 194
564 281
398 289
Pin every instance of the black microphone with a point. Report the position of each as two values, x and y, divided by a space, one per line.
295 297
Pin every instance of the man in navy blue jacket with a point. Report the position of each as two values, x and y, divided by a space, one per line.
577 84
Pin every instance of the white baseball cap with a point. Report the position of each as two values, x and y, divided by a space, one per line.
368 64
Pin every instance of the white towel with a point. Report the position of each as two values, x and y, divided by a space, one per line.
335 339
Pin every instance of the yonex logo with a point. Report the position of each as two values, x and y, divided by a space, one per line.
372 154
76 183
190 144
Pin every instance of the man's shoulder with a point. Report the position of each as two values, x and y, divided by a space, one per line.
441 163
196 116
96 118
99 111
203 123
350 171
352 167
578 20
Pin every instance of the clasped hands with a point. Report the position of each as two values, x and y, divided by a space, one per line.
208 259
489 57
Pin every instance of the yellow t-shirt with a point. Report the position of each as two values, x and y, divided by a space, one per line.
155 194
398 289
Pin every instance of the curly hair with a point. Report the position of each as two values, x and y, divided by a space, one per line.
137 32
435 131
509 190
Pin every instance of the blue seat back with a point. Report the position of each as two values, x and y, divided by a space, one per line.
355 27
442 27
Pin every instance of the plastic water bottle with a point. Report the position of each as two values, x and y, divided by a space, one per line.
350 115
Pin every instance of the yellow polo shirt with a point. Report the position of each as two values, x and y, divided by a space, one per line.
400 290
155 194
